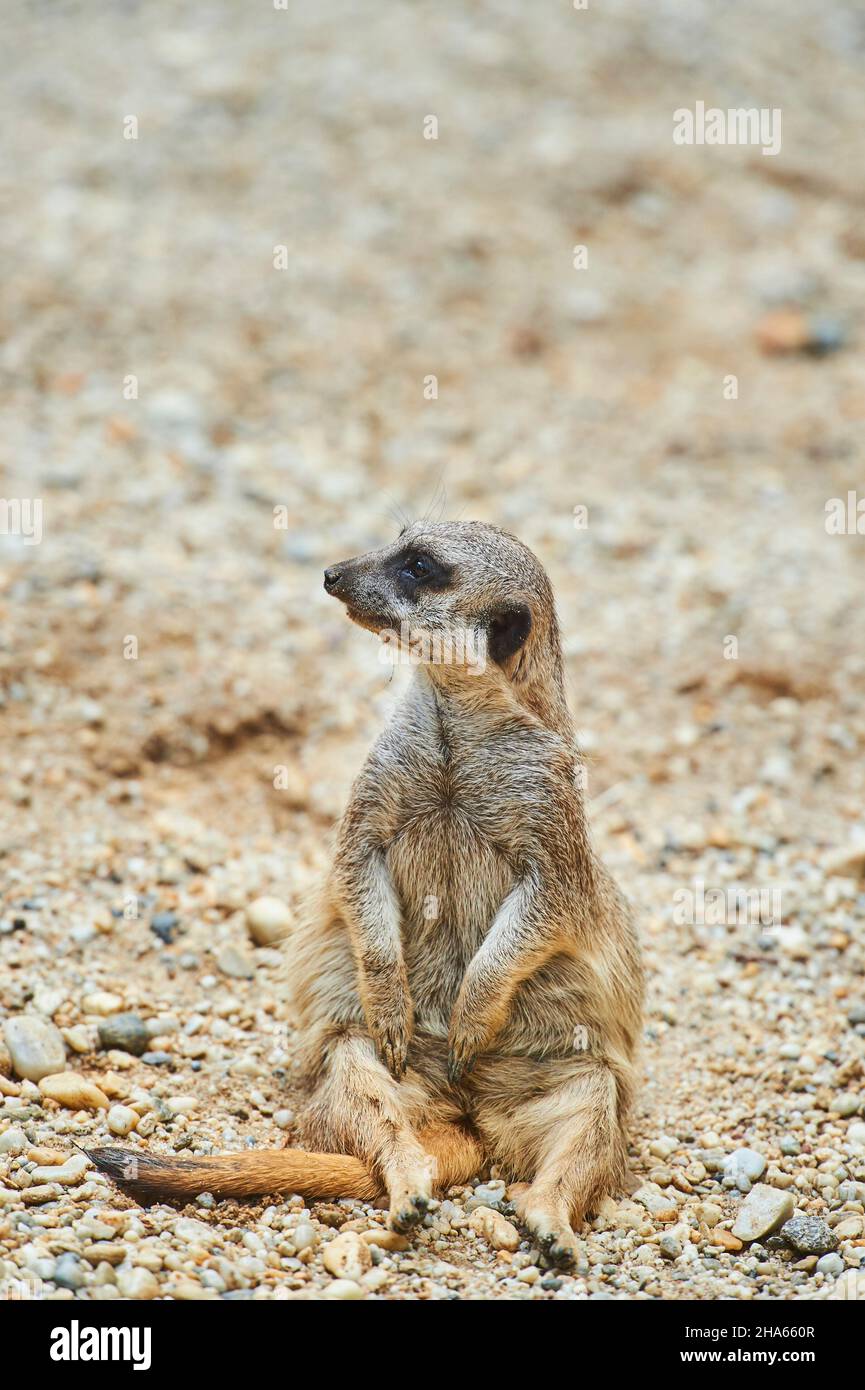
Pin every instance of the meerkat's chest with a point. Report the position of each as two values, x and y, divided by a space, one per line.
453 849
451 880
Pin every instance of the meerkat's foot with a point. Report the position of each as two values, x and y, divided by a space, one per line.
410 1196
408 1212
561 1248
550 1228
408 1207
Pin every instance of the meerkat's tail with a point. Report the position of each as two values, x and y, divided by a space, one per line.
152 1177
457 1152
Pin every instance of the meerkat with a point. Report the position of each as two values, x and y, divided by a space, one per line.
468 983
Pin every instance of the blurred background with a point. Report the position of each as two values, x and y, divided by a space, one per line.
241 308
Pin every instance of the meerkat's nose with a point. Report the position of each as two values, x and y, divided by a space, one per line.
331 579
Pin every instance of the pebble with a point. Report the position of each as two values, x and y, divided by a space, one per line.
743 1167
725 1239
856 1134
104 1251
101 1002
268 921
69 1271
810 1235
42 1192
343 1289
122 1120
13 1141
284 1119
490 1194
49 1001
125 1032
670 1246
658 1206
68 1173
69 1089
385 1239
830 1265
233 963
763 1211
165 925
193 1232
848 862
846 1104
495 1228
347 1256
81 1038
36 1047
663 1147
137 1283
304 1236
789 330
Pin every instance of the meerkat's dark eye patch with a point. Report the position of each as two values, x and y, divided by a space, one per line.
509 627
415 569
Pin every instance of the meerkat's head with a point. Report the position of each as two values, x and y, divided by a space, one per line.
461 595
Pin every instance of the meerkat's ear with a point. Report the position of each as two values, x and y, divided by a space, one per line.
508 630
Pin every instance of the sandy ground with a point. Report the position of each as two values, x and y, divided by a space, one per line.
166 649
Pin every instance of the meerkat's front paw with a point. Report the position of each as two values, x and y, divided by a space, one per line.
392 1048
390 1020
391 1032
466 1042
462 1056
470 1034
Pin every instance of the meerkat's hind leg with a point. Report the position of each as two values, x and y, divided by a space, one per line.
359 1108
455 1154
567 1139
581 1158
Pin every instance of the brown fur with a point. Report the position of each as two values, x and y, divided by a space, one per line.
468 983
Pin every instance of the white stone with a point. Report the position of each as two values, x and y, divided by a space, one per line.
342 1289
762 1212
121 1119
347 1256
137 1283
268 921
102 1003
36 1047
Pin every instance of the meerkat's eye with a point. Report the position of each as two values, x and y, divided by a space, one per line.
415 573
417 567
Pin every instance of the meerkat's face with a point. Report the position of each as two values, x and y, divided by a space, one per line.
452 592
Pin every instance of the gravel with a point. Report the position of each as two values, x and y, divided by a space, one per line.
183 709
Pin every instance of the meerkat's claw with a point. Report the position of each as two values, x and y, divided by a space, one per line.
393 1053
404 1218
560 1249
562 1256
459 1066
